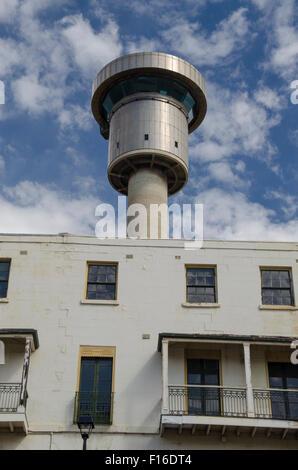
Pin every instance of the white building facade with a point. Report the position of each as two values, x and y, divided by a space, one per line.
165 347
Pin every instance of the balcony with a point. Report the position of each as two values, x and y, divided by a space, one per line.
207 400
12 411
16 346
224 408
10 396
275 403
223 401
95 404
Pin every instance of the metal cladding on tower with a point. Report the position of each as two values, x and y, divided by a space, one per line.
146 105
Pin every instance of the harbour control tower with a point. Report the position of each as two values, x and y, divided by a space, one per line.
146 104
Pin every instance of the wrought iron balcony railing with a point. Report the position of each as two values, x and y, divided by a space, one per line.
98 405
213 400
10 394
276 403
207 400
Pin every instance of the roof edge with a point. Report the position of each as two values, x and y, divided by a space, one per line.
226 337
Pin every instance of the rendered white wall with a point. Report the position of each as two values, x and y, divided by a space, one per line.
45 290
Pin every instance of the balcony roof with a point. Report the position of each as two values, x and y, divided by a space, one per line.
226 338
21 332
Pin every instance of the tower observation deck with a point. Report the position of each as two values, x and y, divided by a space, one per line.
146 105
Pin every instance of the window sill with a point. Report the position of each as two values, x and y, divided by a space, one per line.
4 300
199 305
100 302
278 307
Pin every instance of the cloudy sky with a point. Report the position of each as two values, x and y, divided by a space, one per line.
243 158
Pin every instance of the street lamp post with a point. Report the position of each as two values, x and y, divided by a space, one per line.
85 425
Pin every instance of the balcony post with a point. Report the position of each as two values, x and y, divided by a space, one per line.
249 390
25 372
165 376
2 352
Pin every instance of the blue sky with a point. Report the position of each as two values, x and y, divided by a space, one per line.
243 158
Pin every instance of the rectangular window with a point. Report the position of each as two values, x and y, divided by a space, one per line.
95 383
95 388
277 287
283 376
4 275
200 285
101 281
203 400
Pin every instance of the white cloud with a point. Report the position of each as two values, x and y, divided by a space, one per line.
285 50
86 184
163 10
285 53
2 164
262 4
268 97
223 172
294 137
8 10
35 97
289 202
32 7
280 19
10 57
240 166
74 116
76 157
235 124
30 207
143 44
187 38
231 216
91 49
39 68
209 150
41 63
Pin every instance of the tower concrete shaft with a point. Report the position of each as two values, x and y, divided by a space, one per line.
146 105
